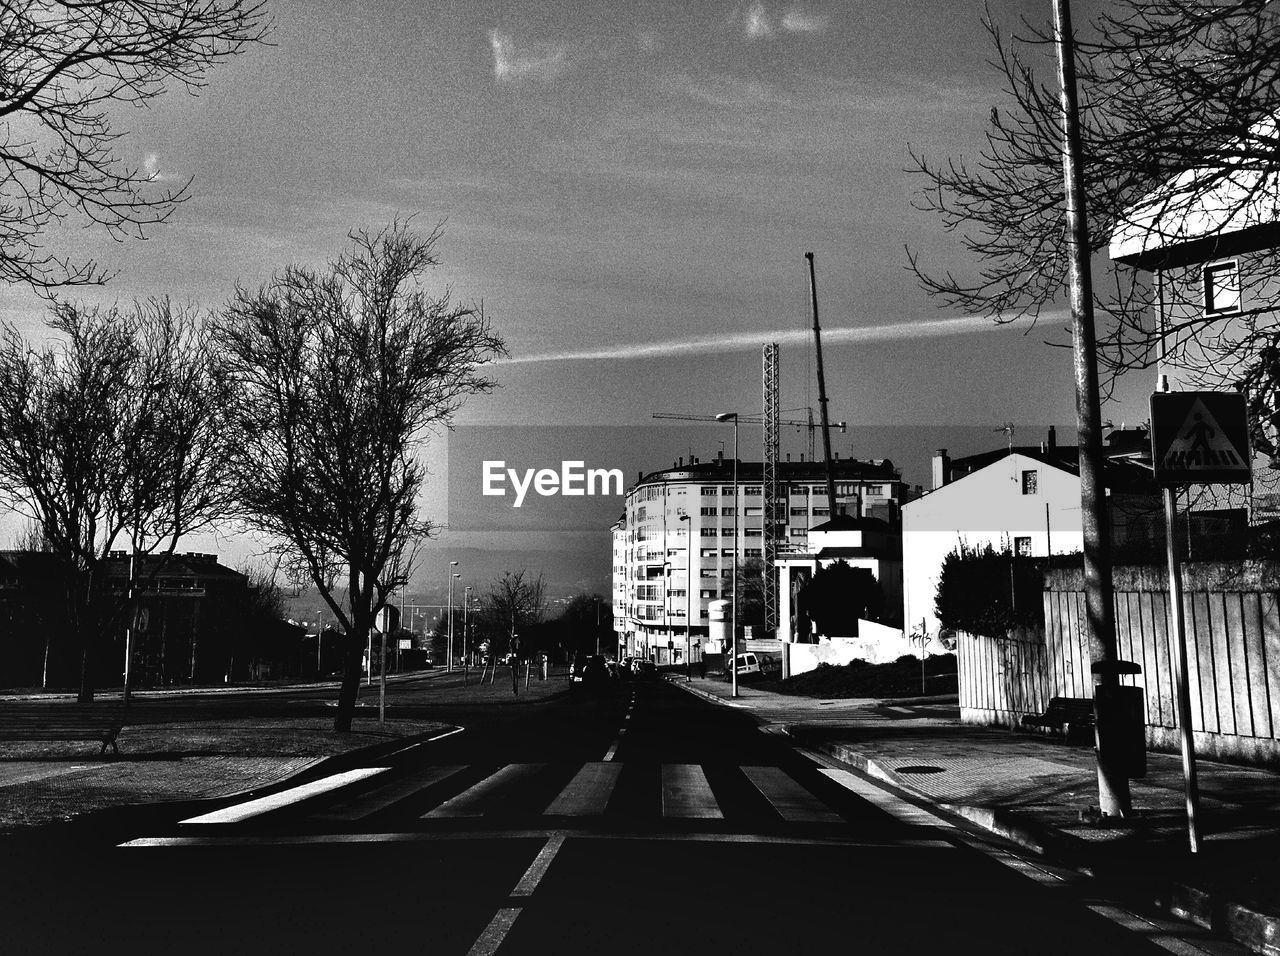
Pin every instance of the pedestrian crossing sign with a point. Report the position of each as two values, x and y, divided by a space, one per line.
1199 438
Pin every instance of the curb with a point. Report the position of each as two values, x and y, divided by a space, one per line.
1258 931
1255 930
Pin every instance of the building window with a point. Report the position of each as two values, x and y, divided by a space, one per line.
727 511
753 532
726 552
751 490
821 512
799 512
728 532
754 552
708 552
708 594
707 512
708 532
1029 481
710 572
708 490
1022 546
799 533
727 490
753 512
1222 288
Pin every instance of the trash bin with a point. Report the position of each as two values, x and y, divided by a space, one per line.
1120 717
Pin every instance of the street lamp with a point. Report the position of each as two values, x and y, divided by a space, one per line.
466 623
688 586
733 417
666 610
448 666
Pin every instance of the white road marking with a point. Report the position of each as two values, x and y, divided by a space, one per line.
793 802
505 918
274 801
470 803
686 793
588 792
361 807
894 806
495 932
417 836
538 868
898 710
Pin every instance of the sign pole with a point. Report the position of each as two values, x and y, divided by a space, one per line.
1180 672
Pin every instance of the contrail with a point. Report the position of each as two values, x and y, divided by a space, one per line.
744 341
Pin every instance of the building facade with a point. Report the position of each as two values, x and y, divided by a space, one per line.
675 545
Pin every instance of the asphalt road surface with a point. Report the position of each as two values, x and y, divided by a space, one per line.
637 820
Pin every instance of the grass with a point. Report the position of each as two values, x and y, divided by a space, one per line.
901 678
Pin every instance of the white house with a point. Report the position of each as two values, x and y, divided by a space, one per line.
1027 499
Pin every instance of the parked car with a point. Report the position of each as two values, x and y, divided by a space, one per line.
645 670
748 663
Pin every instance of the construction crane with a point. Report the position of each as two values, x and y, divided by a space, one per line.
744 419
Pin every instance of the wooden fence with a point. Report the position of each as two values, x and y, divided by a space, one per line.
1232 615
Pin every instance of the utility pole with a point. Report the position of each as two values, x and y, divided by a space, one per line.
1113 781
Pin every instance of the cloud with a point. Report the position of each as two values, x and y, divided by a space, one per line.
756 21
747 341
151 169
526 61
796 20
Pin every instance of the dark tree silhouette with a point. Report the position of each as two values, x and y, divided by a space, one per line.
67 69
335 376
837 596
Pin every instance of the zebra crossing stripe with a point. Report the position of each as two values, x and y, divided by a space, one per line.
793 802
471 802
274 801
895 807
686 793
365 806
588 792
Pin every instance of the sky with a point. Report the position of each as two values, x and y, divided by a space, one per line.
630 191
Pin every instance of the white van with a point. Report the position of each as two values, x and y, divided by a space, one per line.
748 663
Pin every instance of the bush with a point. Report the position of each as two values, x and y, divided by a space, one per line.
985 591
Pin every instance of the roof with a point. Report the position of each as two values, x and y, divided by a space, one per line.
1126 467
721 470
850 523
1204 213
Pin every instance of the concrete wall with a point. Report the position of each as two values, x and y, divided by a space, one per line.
1232 615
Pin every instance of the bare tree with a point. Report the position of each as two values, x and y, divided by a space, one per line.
513 602
335 378
65 67
1179 104
111 432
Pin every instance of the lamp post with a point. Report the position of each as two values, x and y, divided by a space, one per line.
448 666
688 586
733 417
466 623
666 611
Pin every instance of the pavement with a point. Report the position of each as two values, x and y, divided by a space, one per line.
1041 793
170 755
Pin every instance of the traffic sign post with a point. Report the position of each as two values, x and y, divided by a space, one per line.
1197 438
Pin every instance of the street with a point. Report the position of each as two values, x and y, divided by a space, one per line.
637 818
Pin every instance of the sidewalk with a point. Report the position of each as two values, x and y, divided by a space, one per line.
1043 794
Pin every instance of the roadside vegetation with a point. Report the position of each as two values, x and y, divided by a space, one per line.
901 678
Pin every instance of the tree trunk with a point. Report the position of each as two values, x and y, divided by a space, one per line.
353 646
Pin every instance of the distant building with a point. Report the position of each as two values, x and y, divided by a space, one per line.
657 557
1023 498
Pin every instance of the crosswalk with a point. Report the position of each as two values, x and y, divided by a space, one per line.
560 793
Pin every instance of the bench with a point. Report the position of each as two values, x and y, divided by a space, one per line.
1073 715
43 720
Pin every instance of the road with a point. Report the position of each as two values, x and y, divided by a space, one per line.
640 820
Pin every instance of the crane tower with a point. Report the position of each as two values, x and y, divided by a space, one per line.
774 513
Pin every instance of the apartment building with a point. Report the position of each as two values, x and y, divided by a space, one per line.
674 547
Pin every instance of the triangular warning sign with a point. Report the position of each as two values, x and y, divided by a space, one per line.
1202 445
